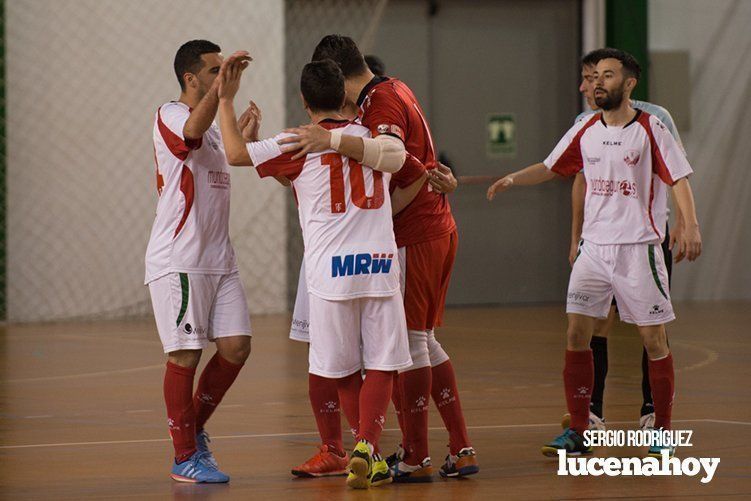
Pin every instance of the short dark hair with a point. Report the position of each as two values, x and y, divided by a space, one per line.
188 57
376 65
322 85
344 52
630 64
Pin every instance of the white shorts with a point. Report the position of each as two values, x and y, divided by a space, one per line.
298 331
193 309
634 273
369 332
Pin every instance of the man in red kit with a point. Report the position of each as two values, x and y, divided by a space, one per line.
426 235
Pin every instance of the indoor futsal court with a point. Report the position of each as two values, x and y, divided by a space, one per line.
504 254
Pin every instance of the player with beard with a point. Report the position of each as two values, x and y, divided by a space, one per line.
628 159
603 326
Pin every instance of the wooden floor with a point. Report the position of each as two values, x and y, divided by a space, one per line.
81 412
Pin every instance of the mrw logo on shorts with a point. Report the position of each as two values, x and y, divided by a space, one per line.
360 264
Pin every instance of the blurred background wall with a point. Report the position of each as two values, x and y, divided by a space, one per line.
83 79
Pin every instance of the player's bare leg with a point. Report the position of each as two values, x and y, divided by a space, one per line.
661 377
578 378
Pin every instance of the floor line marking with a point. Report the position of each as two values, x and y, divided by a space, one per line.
86 374
306 433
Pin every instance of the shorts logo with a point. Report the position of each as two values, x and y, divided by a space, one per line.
656 310
188 329
578 297
360 264
632 157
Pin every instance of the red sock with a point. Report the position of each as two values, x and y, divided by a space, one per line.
215 380
662 380
374 400
181 417
349 395
578 379
446 397
324 400
416 387
397 395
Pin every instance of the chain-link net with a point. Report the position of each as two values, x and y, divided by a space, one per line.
84 78
305 24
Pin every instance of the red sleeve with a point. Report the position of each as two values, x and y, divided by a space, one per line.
282 165
385 114
409 173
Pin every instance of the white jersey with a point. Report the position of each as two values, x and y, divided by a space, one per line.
628 170
191 230
350 250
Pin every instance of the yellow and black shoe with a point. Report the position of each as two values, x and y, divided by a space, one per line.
381 474
360 466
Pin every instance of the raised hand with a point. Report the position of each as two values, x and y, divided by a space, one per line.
230 73
500 186
307 139
250 122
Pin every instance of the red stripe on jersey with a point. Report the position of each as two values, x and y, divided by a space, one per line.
282 165
570 162
649 209
188 189
658 162
175 143
159 177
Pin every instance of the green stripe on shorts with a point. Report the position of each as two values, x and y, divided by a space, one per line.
185 286
654 270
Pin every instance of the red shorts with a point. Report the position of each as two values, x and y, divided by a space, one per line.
426 270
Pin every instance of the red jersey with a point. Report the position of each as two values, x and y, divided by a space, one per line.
388 106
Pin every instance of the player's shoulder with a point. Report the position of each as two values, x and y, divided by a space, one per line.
356 129
172 109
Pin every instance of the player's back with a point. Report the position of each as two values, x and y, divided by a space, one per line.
390 107
345 215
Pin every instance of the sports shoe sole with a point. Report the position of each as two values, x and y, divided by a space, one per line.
552 452
383 481
422 475
358 477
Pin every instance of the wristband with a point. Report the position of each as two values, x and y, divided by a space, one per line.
336 139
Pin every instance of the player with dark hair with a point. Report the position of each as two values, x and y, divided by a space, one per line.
629 159
375 64
602 328
356 309
426 236
190 264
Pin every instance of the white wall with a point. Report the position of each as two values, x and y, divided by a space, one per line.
84 78
717 36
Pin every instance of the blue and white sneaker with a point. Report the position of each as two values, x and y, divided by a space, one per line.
202 445
569 441
197 470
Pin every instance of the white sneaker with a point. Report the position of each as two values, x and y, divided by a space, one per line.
595 422
647 421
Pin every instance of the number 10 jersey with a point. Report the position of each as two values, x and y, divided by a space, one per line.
345 215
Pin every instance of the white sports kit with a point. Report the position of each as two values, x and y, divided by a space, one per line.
628 171
351 264
190 264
